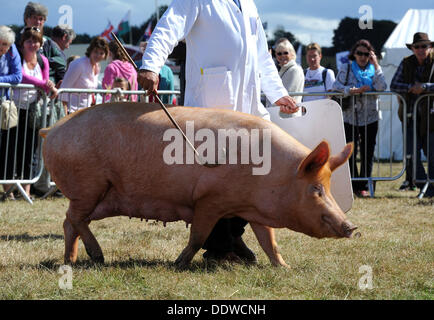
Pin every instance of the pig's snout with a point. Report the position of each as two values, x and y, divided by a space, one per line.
344 229
348 228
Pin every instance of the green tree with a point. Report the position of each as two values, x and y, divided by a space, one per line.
153 18
349 32
280 32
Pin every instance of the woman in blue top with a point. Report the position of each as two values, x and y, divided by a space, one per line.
10 61
361 74
10 72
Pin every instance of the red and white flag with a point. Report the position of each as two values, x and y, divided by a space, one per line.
106 33
148 31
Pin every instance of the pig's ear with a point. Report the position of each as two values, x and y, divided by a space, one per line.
339 159
315 160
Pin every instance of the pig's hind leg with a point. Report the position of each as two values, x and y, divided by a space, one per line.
84 197
71 242
78 214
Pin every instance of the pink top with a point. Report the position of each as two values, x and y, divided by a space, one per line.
27 79
119 69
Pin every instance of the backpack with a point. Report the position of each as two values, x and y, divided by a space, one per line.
324 76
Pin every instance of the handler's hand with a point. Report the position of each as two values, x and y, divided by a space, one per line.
148 80
287 104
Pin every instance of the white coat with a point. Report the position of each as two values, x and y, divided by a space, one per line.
228 62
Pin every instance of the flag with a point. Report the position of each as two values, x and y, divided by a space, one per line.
148 31
341 58
299 53
124 25
106 33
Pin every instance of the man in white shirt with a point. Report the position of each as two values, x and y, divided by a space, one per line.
227 65
316 77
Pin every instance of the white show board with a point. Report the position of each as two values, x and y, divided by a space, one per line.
322 121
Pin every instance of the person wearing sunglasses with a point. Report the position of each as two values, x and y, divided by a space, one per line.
362 74
415 77
290 72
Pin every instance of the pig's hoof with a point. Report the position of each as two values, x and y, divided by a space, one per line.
97 259
181 265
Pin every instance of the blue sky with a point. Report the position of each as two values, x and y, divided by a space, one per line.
308 20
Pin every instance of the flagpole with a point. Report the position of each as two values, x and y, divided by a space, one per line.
131 29
156 10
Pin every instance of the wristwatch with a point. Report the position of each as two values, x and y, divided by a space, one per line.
424 86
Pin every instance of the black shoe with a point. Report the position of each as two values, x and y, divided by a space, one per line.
58 194
242 251
429 193
407 185
37 192
219 257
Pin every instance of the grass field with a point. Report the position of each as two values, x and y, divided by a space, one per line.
396 243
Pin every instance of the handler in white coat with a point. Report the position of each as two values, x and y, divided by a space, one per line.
228 62
227 65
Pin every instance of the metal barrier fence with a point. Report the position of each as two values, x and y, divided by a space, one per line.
20 144
422 135
370 173
85 97
395 171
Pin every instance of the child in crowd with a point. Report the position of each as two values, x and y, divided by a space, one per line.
122 84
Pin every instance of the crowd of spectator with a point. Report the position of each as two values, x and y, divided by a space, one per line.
31 57
363 73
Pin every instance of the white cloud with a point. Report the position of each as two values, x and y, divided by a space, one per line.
305 28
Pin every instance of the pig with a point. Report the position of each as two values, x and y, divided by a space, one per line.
108 161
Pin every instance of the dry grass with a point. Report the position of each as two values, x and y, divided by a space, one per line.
397 242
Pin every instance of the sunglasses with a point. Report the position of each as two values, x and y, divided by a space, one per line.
360 53
280 53
423 46
31 28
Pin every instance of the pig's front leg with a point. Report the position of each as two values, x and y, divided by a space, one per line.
265 236
203 221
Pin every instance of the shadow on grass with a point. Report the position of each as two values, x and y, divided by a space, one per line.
194 267
25 237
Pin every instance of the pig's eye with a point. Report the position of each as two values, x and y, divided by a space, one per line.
318 189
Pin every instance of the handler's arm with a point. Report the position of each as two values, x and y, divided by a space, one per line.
173 26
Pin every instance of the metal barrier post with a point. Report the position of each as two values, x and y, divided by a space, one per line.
139 93
373 178
416 136
24 93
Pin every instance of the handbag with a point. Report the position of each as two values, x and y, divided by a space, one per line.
9 115
35 114
345 103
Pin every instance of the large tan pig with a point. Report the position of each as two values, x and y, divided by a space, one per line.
108 161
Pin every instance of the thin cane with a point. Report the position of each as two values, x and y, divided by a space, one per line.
163 106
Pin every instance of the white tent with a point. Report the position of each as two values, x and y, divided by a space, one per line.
394 50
